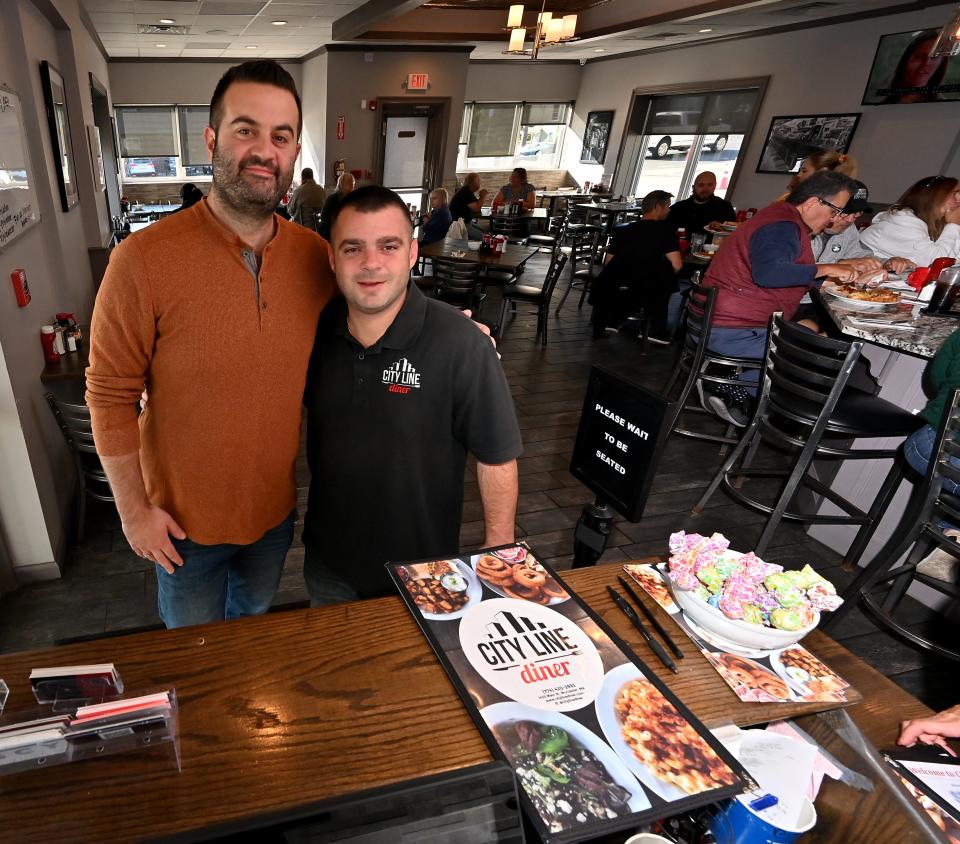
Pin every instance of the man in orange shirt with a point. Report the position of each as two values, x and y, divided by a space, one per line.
213 310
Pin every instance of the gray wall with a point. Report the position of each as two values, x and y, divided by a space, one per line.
37 476
491 82
351 79
814 71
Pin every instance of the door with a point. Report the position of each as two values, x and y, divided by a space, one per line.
404 158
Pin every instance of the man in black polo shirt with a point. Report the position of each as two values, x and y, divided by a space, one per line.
467 202
400 388
702 207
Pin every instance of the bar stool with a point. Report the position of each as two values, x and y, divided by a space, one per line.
700 364
803 407
73 420
929 505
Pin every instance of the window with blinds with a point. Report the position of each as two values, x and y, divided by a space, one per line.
163 143
502 135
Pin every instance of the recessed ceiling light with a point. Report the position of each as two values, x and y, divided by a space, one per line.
159 45
252 47
279 23
599 49
706 30
167 20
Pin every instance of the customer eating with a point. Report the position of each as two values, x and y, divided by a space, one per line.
829 160
467 203
921 226
517 190
702 207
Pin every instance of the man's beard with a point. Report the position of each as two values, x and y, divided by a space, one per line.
257 199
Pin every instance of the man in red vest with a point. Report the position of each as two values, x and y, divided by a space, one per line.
766 266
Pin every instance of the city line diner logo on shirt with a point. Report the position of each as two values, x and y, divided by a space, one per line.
401 376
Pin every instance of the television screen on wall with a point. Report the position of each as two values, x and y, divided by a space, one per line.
903 71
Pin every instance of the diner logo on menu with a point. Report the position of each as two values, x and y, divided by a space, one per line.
531 654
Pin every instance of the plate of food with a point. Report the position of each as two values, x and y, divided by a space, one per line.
654 740
721 227
564 768
705 256
443 589
750 678
515 573
860 298
807 675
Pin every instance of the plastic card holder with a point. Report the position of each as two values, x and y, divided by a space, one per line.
4 694
67 694
66 740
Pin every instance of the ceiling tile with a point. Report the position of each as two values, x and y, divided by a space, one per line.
104 30
166 9
108 6
111 17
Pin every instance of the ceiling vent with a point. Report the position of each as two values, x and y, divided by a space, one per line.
660 36
160 29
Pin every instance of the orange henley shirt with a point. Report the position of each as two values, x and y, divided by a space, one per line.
223 356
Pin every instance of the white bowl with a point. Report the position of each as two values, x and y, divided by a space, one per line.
742 633
474 244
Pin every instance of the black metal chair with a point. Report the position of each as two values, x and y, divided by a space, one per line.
458 282
524 294
74 422
556 230
881 585
514 229
585 263
702 366
805 406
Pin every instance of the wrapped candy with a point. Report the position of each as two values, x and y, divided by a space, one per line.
808 578
731 607
727 566
794 578
714 601
777 580
756 569
702 592
677 542
808 615
738 588
791 597
683 576
823 597
711 578
787 619
767 601
753 614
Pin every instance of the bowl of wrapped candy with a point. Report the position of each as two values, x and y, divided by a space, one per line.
742 599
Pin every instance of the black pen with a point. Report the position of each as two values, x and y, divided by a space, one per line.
651 618
655 646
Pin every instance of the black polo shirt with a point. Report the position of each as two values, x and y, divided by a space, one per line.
388 431
460 205
693 216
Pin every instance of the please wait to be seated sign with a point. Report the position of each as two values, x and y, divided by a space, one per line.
620 436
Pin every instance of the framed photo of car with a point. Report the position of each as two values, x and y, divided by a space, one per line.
792 139
58 119
596 136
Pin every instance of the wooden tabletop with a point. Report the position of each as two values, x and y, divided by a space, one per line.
608 207
71 366
513 256
299 708
530 214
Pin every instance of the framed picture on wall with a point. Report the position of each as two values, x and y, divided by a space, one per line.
792 139
96 156
596 136
903 71
58 120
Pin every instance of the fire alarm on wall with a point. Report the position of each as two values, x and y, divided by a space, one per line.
372 104
20 288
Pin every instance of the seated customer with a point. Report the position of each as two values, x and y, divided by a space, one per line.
517 190
767 266
190 195
437 221
467 202
840 242
307 200
823 159
345 184
921 226
702 207
639 271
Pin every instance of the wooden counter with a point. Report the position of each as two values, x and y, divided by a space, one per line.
293 709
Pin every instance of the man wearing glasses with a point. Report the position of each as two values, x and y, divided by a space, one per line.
839 242
766 266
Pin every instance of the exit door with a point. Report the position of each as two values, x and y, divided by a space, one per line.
404 158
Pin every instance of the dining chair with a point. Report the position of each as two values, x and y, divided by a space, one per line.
806 408
74 422
556 230
514 229
585 263
525 294
458 282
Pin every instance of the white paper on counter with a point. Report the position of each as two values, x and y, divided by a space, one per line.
782 767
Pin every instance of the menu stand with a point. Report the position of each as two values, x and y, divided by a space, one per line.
4 694
591 533
54 693
159 733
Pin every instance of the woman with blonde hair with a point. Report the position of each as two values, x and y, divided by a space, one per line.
921 226
822 159
437 221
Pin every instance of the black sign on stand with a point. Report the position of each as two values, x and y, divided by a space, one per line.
622 431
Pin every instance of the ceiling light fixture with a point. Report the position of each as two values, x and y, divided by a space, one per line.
948 43
279 23
167 20
548 31
252 47
159 45
706 30
599 49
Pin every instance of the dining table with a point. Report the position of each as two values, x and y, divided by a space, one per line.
299 710
571 196
610 212
528 214
512 259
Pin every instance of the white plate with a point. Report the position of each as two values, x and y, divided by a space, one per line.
474 595
501 713
615 680
722 644
856 304
498 590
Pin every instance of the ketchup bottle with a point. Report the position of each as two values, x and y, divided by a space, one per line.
939 266
47 336
684 241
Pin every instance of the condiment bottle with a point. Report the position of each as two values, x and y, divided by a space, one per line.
684 242
48 335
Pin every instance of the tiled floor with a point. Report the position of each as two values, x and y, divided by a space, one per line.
108 590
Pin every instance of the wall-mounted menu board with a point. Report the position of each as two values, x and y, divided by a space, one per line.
597 741
18 199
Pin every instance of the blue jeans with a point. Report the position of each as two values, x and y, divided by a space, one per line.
223 581
324 585
918 449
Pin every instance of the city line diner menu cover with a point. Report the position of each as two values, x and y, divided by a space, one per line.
598 743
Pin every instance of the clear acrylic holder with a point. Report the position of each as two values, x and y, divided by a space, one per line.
65 697
4 694
160 731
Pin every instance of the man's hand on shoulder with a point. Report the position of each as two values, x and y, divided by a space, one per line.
482 327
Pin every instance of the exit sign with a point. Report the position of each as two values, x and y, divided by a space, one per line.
418 81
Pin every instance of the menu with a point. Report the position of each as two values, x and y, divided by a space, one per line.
756 676
598 743
933 778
